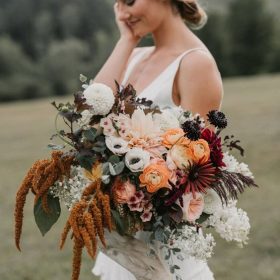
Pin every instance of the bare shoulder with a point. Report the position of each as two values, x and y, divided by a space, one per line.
199 80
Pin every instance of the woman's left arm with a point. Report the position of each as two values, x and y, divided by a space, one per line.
199 84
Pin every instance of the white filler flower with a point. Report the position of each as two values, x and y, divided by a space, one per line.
100 97
137 159
193 244
212 202
231 223
70 190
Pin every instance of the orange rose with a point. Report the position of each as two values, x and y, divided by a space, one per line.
123 190
181 156
200 151
154 177
171 136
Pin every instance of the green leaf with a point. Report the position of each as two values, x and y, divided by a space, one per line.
116 169
114 159
203 218
99 147
176 250
159 234
45 220
86 161
90 134
121 224
106 169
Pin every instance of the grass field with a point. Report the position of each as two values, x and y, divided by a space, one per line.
253 107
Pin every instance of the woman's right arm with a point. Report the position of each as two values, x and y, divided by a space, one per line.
124 50
116 64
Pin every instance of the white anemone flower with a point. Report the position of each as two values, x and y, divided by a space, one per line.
212 202
137 159
116 144
100 97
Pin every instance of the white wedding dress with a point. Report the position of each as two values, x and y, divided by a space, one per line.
160 92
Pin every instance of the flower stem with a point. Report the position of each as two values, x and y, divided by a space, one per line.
59 134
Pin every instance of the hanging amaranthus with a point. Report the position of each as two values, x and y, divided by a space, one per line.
88 219
41 176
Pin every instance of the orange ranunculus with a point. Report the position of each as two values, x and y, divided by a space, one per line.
96 172
171 136
200 151
123 190
155 176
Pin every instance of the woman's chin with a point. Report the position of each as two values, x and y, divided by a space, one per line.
140 33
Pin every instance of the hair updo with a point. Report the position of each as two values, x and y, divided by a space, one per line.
191 12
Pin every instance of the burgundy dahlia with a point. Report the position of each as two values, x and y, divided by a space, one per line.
215 144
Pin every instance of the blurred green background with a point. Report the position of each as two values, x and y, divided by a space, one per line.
46 44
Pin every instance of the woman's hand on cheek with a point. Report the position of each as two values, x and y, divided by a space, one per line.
126 32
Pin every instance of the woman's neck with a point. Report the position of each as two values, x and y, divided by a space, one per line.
174 35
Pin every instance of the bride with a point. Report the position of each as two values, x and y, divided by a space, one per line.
177 71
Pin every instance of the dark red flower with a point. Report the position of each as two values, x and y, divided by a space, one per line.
200 178
215 144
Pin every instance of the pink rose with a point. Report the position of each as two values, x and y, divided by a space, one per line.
193 207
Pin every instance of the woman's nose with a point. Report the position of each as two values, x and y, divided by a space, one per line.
123 13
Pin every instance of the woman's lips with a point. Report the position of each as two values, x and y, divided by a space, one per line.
132 23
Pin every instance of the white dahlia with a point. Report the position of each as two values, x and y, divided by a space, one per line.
100 97
137 159
116 145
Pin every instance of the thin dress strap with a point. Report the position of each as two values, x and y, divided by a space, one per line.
161 89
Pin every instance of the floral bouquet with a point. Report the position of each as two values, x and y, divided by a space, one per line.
127 166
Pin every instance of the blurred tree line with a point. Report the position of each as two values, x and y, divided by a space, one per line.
46 44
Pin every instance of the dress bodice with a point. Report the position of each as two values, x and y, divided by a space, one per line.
160 89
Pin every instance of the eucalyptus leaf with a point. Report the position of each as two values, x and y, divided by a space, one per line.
55 147
86 161
83 78
105 168
99 147
159 234
116 169
90 134
45 220
114 159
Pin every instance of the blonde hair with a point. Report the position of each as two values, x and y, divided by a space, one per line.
191 12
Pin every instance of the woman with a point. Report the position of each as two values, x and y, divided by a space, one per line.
177 71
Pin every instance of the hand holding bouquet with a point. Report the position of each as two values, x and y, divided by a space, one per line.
129 166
